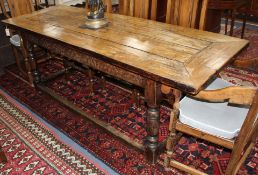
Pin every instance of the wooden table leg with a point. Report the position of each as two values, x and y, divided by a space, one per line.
33 62
152 96
25 54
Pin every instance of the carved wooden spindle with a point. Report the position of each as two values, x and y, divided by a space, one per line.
152 96
24 49
18 61
172 137
67 67
90 74
33 62
103 82
136 98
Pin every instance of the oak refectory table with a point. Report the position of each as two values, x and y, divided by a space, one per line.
146 53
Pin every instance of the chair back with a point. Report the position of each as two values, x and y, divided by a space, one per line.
187 13
138 8
20 7
108 4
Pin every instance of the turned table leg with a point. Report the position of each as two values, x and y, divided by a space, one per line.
33 62
27 63
152 97
27 49
90 74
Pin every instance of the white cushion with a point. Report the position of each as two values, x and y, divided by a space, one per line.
16 40
218 119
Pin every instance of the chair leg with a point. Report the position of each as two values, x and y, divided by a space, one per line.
90 74
18 60
103 82
233 15
226 23
172 138
27 56
34 68
47 4
67 67
242 160
244 24
234 159
236 155
251 141
136 98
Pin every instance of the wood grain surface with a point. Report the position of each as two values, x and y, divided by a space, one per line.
179 57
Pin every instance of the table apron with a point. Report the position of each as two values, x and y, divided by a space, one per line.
85 58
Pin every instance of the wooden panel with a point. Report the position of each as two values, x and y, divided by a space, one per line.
186 13
176 56
139 8
20 7
108 4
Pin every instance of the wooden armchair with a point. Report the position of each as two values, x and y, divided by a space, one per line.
209 116
23 52
18 8
186 13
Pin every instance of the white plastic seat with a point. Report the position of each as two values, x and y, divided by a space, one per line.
15 40
218 119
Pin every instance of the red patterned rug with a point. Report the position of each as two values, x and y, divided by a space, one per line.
114 106
31 148
251 51
118 155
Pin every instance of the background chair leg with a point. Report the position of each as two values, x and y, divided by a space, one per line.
27 62
233 16
136 98
34 68
18 60
244 24
103 83
226 22
90 74
172 138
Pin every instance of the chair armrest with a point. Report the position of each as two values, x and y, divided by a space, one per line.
234 95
